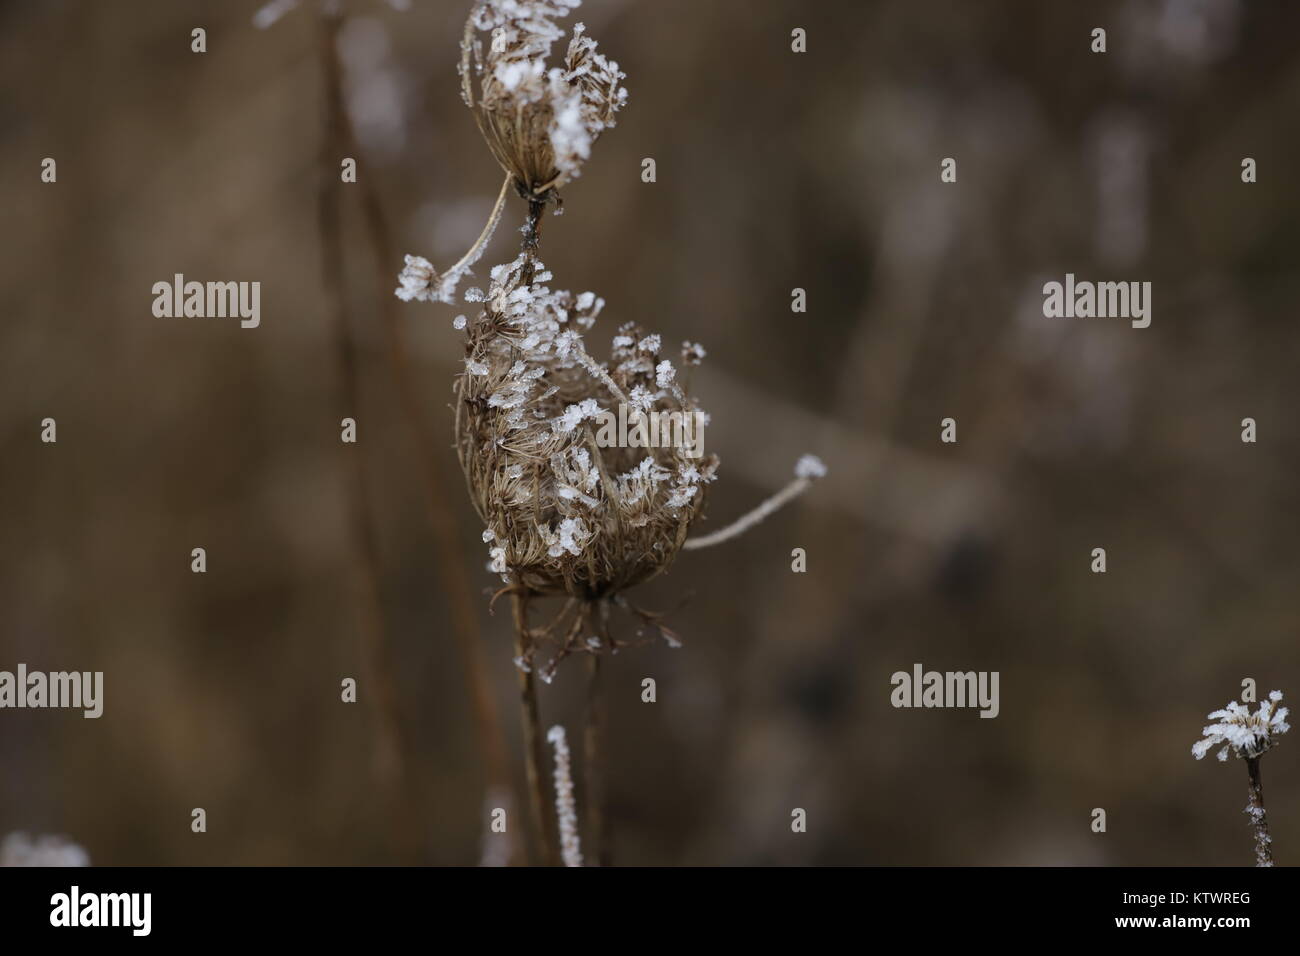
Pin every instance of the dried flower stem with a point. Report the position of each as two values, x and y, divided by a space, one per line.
494 219
742 524
594 771
1258 819
534 747
455 580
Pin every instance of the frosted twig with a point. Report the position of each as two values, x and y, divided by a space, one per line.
1258 819
1248 736
808 469
565 807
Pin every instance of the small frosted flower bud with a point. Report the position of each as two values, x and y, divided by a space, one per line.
1245 734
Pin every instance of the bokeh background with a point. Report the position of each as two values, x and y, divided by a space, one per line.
775 170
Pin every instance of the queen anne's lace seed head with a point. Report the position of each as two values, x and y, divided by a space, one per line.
563 513
540 119
1245 734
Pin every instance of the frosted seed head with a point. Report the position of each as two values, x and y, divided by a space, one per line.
1244 733
539 115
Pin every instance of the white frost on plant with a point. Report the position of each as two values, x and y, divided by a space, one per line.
1245 734
809 466
692 353
566 810
664 374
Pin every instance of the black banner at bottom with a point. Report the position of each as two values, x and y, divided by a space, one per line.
338 906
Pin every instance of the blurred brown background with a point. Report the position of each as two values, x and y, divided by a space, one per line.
775 170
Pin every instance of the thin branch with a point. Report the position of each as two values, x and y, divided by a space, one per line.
566 811
534 746
391 753
494 219
742 524
594 760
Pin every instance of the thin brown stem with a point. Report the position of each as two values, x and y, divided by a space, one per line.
544 828
455 580
391 761
532 238
594 769
1258 818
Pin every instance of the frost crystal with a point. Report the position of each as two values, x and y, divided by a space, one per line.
809 466
1245 734
566 810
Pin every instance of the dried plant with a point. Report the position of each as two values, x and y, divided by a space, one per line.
1248 736
564 514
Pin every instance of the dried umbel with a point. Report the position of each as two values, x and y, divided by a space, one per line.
563 514
539 119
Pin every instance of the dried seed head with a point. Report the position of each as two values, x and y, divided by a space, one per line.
539 121
567 513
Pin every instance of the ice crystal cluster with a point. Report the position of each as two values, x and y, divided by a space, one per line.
21 849
1245 734
539 119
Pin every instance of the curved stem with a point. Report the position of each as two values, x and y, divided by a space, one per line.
476 251
747 521
593 743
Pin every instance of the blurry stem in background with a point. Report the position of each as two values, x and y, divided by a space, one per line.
1258 820
456 584
593 739
390 756
544 826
